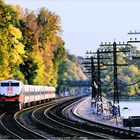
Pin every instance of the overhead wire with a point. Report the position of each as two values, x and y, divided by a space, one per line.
128 84
108 83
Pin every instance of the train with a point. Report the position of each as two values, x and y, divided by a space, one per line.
14 95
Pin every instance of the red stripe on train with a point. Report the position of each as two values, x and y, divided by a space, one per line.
10 99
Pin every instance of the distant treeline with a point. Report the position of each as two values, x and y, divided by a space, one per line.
31 46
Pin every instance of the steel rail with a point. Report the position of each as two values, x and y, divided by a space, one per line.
6 129
114 129
38 136
45 123
64 123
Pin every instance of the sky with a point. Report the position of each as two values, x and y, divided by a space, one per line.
87 23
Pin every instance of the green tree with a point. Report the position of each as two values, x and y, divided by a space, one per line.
70 69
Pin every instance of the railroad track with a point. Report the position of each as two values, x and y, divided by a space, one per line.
51 121
15 130
56 113
96 130
57 119
110 131
12 126
48 123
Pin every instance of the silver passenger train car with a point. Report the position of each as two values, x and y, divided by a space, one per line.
15 95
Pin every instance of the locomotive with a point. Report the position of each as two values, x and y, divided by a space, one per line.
14 95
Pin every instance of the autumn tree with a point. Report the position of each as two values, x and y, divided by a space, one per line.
11 49
50 43
44 47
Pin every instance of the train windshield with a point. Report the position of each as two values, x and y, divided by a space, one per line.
15 84
9 84
4 84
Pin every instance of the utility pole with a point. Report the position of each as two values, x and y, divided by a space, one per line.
99 95
90 67
93 78
116 107
96 80
116 93
99 76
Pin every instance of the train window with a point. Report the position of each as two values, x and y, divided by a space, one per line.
15 84
4 84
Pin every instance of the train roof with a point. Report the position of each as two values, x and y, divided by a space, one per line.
38 86
27 86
